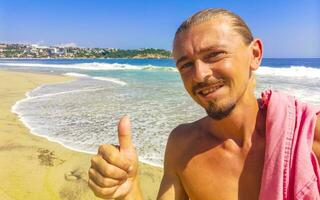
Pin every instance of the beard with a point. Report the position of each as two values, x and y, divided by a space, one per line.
218 113
213 110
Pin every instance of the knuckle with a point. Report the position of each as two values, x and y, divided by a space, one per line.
117 174
106 182
91 186
110 172
112 158
126 164
102 148
94 160
91 173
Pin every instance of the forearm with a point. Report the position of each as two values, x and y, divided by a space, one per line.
135 192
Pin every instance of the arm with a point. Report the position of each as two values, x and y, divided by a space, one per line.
171 187
316 141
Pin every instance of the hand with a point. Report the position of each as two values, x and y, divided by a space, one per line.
114 170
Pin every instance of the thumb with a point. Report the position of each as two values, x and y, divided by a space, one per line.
124 133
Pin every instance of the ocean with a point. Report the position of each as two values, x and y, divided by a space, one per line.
84 113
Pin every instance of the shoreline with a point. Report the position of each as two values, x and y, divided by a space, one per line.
13 110
33 167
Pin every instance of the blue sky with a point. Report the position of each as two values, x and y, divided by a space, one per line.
288 28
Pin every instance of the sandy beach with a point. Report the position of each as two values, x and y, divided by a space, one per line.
32 167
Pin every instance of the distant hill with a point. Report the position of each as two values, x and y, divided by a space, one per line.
37 51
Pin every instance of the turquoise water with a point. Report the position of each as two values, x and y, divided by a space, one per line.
84 113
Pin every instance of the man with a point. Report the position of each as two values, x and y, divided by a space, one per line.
220 156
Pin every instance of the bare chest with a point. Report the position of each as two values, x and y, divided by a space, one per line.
223 172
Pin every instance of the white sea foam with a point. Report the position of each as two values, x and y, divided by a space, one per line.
108 79
76 75
60 93
293 71
85 66
93 66
113 80
61 141
158 68
26 122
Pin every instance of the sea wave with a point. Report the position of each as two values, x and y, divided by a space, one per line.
292 71
93 66
73 74
158 68
29 97
113 80
108 79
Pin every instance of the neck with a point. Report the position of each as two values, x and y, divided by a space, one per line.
240 125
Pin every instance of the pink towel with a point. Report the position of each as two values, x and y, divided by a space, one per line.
291 170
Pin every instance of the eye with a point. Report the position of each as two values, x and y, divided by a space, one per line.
186 65
214 55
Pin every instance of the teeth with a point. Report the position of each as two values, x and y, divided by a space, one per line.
205 91
209 90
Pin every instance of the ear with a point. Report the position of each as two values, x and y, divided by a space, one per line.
256 53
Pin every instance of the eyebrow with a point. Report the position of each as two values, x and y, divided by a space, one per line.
209 48
183 58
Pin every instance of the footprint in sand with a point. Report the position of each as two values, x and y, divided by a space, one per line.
48 158
74 175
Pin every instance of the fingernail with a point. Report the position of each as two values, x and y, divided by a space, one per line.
130 168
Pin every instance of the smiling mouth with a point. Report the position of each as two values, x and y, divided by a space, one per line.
210 89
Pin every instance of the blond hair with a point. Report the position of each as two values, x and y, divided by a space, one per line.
208 14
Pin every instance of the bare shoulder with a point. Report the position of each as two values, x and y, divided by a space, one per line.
171 186
179 138
187 129
184 133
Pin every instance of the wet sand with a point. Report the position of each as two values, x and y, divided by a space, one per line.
33 167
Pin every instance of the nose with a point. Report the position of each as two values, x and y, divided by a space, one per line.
201 71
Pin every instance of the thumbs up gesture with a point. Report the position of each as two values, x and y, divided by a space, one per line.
113 170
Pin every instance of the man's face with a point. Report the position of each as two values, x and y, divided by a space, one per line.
214 64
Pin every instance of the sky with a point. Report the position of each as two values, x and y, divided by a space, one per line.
288 28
